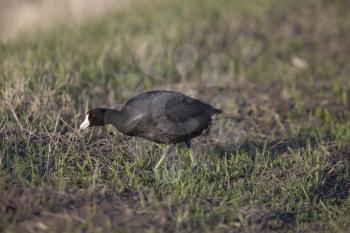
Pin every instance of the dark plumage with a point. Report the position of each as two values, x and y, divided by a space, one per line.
160 116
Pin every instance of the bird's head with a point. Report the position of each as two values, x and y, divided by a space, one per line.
94 117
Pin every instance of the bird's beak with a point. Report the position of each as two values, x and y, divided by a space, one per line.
86 123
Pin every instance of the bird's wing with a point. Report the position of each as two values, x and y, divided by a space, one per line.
182 108
181 115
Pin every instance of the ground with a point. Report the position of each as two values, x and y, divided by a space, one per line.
276 161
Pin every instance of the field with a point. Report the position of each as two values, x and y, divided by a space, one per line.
278 160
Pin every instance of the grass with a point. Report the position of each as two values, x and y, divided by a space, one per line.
279 161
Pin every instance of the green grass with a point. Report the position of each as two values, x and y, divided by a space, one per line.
278 162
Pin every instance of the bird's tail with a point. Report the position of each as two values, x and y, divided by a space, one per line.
217 111
226 115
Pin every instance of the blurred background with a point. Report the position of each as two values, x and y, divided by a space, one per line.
278 161
20 16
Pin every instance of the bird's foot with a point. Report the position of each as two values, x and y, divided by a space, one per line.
196 167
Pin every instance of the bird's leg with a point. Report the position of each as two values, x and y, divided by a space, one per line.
191 152
166 152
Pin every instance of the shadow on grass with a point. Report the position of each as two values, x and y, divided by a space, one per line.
273 148
334 184
276 220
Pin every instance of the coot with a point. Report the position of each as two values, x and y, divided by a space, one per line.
161 116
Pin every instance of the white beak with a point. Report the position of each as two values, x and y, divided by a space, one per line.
85 123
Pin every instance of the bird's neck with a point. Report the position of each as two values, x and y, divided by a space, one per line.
116 118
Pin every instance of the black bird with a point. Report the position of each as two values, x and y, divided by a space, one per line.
161 116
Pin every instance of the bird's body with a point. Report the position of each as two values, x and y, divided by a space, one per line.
166 116
160 116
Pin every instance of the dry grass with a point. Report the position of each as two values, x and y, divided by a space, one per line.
278 161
